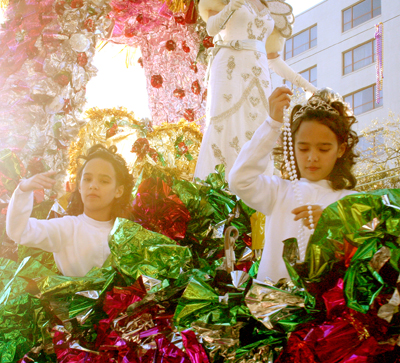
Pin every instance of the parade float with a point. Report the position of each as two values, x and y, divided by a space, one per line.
179 283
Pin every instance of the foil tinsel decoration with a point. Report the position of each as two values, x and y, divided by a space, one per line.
126 130
42 85
153 27
379 60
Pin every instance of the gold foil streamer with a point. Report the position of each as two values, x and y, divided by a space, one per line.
257 231
176 5
163 139
94 132
387 311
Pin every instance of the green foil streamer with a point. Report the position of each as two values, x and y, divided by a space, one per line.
349 234
137 251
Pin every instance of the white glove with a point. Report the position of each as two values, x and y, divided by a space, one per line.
215 22
279 66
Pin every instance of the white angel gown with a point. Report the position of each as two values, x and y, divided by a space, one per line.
238 91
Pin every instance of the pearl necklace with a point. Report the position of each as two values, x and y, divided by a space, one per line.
290 163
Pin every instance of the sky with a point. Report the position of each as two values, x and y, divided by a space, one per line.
116 85
302 5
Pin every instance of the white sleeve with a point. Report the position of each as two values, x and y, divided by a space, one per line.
47 235
247 179
214 22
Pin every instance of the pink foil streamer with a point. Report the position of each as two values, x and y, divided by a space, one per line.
379 60
150 25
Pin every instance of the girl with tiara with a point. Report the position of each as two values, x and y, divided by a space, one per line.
78 241
318 150
248 36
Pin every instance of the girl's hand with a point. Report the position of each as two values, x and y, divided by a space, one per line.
302 213
235 4
38 181
278 100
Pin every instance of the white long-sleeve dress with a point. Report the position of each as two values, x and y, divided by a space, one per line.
238 91
274 196
240 82
78 243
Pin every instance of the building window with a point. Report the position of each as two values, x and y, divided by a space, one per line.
360 13
363 100
359 57
310 74
301 42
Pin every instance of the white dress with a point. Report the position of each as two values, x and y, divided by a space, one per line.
274 197
78 243
238 91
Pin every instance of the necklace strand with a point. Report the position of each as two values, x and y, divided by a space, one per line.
290 164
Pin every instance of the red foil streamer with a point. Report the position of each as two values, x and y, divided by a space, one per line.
158 209
193 348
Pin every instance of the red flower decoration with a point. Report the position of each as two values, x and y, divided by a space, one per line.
179 93
140 61
153 154
59 7
189 114
82 59
179 20
193 67
89 25
185 47
112 130
141 147
156 81
170 45
130 32
62 79
183 149
191 14
76 4
196 87
141 19
208 42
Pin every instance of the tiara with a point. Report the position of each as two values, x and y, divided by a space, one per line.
315 103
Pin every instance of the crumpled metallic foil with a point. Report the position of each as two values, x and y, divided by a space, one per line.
270 305
40 76
137 251
219 340
150 25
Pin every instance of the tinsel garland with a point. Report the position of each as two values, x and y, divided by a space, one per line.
379 60
168 149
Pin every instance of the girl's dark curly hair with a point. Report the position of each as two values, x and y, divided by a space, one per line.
121 205
341 176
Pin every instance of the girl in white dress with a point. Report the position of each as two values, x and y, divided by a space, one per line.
79 241
246 48
323 147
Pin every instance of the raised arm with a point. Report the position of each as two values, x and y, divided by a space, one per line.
247 179
44 234
281 68
215 14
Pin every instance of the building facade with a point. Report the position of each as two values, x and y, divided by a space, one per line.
333 45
